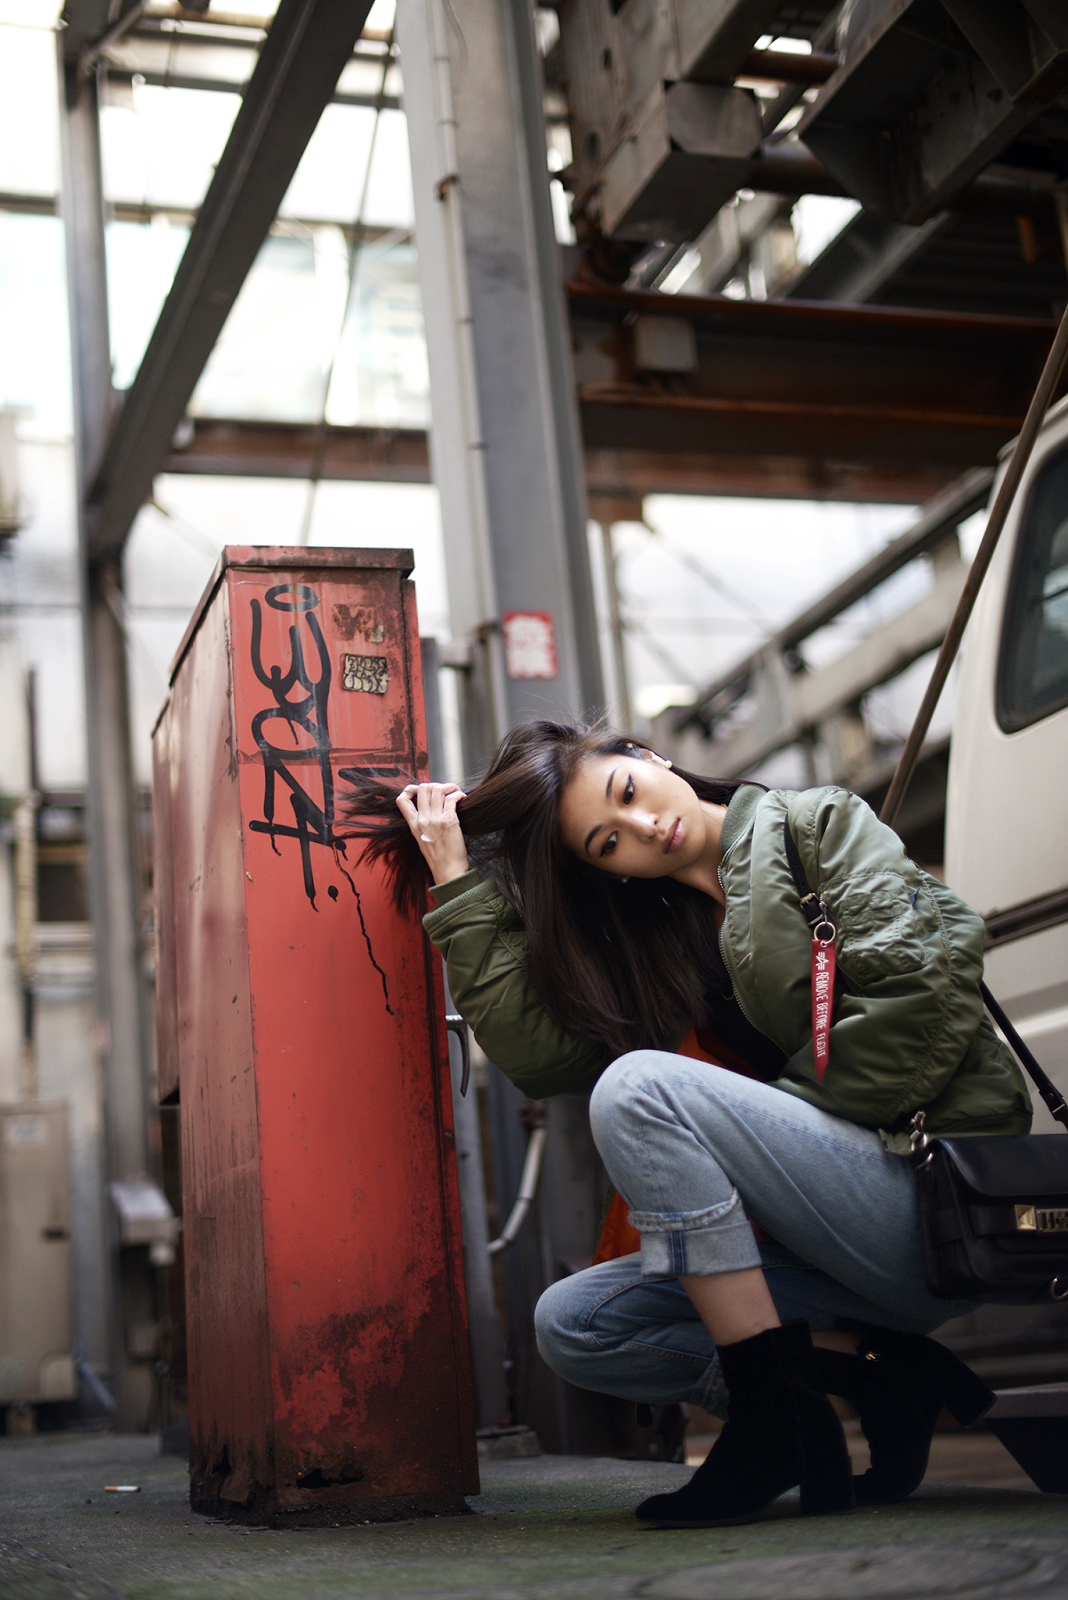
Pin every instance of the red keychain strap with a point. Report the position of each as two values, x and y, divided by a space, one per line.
824 962
824 959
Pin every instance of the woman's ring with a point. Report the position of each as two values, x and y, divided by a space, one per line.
426 838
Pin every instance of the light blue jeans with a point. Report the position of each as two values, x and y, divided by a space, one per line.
698 1152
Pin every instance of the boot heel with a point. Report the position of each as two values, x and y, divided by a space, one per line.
827 1495
827 1481
933 1374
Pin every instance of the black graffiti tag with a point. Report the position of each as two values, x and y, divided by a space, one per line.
312 823
306 714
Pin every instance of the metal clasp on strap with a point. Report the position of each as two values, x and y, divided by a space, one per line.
823 929
920 1141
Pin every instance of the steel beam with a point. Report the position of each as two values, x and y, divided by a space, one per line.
505 441
857 265
84 22
115 865
794 378
786 398
246 449
308 45
206 85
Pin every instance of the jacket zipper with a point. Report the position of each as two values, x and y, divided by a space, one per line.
733 976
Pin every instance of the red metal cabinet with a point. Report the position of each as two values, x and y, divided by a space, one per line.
302 1021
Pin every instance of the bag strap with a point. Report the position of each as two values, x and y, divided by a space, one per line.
1055 1101
810 900
810 905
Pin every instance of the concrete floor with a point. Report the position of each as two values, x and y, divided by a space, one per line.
543 1528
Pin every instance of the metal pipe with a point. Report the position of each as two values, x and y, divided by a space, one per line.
788 168
25 924
616 627
788 66
1047 384
528 1188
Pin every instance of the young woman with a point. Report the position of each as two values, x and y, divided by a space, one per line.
593 905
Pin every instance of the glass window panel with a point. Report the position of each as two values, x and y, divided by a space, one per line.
389 190
365 76
1033 670
380 375
34 343
163 151
30 13
268 364
29 121
142 260
178 57
253 10
329 180
329 183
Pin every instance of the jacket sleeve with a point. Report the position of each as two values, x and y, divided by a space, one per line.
482 939
910 953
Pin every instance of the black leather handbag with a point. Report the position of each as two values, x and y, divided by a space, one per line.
993 1210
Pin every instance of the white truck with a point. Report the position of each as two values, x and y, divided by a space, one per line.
1007 801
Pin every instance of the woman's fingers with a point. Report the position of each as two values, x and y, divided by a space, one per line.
406 805
430 811
429 800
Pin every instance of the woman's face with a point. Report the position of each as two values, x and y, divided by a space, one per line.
632 816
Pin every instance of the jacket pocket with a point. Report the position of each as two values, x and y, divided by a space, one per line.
879 917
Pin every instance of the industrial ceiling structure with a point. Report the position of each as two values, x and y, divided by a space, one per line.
914 108
694 130
677 344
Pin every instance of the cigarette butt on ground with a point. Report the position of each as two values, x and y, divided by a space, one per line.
122 1488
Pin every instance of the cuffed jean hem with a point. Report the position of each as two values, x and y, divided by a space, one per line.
696 1243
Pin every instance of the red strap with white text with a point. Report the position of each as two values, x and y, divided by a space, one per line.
823 965
824 960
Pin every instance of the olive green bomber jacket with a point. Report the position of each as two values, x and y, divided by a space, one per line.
908 1027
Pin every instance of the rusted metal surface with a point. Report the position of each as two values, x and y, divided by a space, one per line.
286 450
791 378
328 1358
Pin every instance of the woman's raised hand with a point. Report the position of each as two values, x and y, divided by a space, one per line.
429 809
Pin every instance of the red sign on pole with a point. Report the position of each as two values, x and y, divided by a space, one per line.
529 644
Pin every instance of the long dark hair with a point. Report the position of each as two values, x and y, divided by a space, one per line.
624 966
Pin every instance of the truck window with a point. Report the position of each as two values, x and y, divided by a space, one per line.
1032 679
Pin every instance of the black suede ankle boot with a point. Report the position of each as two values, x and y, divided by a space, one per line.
897 1432
899 1383
776 1437
827 1483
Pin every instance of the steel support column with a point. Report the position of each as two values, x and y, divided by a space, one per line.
504 438
302 58
115 865
508 464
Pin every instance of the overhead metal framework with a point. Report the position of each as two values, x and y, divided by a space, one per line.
946 119
240 448
784 378
706 395
308 45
